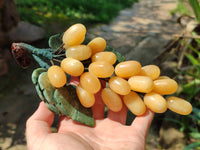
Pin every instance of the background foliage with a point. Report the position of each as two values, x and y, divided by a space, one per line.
190 124
40 12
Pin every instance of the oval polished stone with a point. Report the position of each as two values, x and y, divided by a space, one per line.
141 84
179 105
155 102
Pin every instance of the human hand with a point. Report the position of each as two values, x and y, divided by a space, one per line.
108 133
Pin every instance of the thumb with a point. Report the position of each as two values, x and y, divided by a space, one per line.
38 125
142 123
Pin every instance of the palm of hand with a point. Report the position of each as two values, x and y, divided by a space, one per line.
109 133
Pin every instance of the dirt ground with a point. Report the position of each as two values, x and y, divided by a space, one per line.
18 100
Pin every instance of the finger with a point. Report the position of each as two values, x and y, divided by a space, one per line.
142 123
64 123
38 125
119 116
99 107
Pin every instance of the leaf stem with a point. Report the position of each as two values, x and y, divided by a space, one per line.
56 60
61 46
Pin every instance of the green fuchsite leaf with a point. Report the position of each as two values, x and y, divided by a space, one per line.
55 41
35 76
36 73
68 102
46 87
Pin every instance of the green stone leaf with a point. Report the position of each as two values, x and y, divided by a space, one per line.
46 87
39 92
36 74
120 57
34 77
55 41
52 107
69 103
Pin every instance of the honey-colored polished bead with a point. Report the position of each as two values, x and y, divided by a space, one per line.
86 99
151 71
98 44
57 76
165 86
179 105
101 69
72 66
90 82
134 103
79 52
155 102
127 69
74 35
111 99
109 57
119 85
141 84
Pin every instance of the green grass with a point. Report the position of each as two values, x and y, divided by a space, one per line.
181 8
196 8
42 12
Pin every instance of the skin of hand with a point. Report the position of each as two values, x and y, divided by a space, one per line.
109 133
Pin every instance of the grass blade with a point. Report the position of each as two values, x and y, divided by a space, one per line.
192 146
196 8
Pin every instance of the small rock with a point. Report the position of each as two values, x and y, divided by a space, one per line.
172 138
26 32
147 50
5 142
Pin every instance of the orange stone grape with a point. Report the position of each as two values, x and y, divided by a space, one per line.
151 71
109 57
119 85
97 45
111 99
179 105
127 69
74 35
155 102
90 82
165 86
86 99
141 84
134 103
72 66
57 76
101 69
79 52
